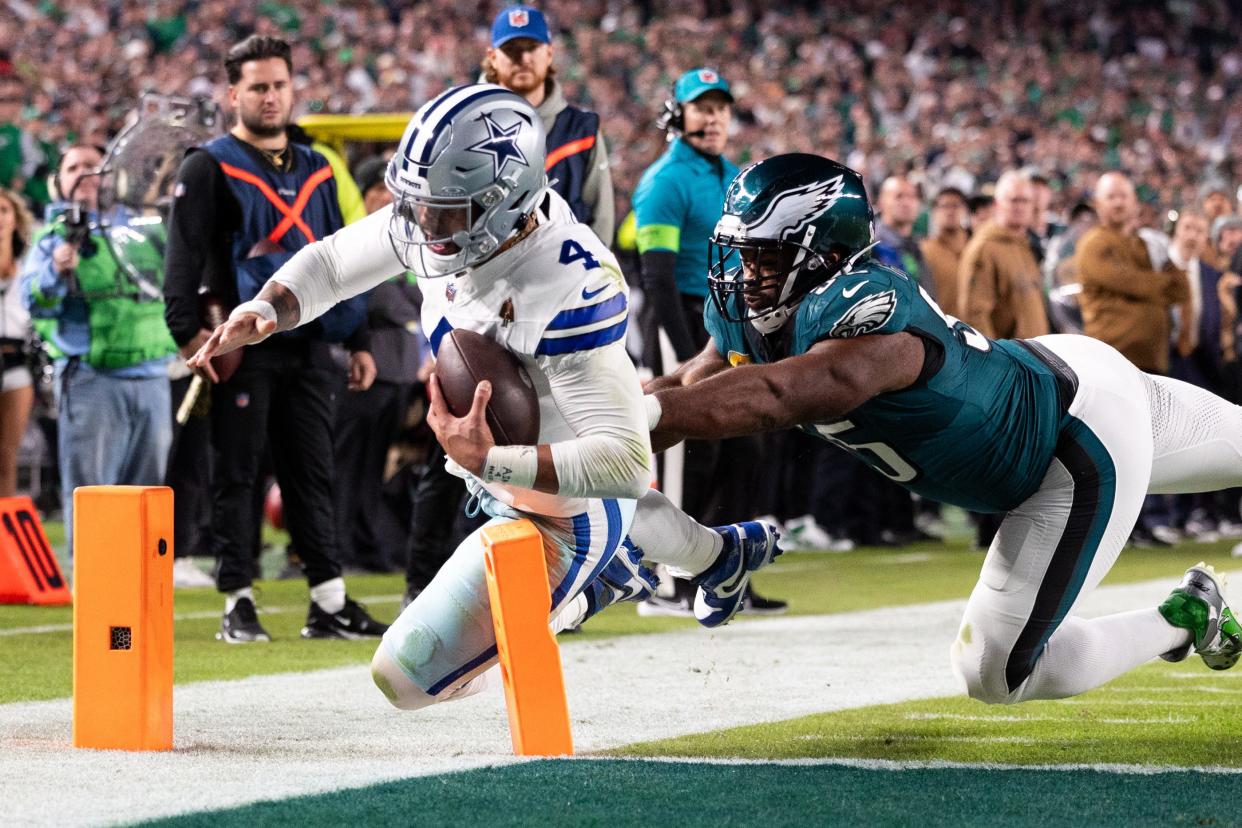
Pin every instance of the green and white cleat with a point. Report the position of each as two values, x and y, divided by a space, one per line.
1198 604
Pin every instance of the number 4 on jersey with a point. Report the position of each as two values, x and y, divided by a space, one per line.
572 252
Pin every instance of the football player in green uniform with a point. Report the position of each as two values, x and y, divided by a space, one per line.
1059 433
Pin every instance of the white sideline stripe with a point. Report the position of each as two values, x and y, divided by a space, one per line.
191 616
279 736
1203 688
925 764
962 717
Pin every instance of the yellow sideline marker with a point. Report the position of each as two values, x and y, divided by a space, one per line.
530 660
123 617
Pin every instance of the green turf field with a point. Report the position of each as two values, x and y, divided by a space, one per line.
1149 748
813 583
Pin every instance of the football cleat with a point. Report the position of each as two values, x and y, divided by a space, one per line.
624 579
351 622
240 625
1198 604
756 604
722 587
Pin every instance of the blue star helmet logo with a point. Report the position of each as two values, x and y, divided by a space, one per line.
501 145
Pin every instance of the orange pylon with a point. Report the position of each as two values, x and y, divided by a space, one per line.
530 660
123 617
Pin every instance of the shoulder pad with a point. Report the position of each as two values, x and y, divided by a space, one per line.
873 299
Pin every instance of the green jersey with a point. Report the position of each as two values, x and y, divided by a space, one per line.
978 428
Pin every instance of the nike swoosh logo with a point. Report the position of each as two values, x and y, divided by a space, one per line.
849 292
592 294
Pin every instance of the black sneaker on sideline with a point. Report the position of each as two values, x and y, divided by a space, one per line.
241 624
756 604
351 622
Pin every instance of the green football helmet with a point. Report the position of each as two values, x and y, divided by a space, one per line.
802 219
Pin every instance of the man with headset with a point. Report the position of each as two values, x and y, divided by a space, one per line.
676 205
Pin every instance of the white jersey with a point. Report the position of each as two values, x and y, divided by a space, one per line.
556 300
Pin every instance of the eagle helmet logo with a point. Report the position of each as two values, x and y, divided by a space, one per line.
806 217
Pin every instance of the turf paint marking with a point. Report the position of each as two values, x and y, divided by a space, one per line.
962 717
279 736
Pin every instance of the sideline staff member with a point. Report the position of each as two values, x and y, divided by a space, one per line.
577 162
108 340
677 204
244 203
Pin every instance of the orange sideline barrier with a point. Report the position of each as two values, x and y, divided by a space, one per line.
123 617
29 573
530 660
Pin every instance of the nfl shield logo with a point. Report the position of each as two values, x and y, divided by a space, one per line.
708 76
518 18
242 400
450 291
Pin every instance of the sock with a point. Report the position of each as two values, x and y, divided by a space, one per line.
572 614
669 536
231 598
330 595
1083 654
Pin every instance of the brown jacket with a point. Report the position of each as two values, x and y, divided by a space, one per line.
942 253
1000 290
1124 302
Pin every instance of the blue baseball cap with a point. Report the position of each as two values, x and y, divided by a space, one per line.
697 82
519 21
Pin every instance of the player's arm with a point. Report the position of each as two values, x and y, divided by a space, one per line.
699 367
598 394
831 379
350 261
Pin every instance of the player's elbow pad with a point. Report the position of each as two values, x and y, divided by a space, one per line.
603 466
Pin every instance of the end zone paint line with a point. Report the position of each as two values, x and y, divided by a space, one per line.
927 764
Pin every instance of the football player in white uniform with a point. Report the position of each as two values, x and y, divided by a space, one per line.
498 253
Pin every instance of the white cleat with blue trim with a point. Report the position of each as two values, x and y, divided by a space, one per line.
748 547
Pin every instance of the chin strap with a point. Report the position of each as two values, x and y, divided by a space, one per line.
772 321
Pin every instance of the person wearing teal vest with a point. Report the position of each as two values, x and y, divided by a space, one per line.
676 204
108 339
1060 434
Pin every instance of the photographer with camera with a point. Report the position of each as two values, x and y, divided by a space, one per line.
107 338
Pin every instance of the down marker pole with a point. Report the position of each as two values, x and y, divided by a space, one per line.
530 660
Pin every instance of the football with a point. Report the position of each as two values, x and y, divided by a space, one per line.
467 358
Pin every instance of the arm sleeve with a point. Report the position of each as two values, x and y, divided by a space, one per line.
600 397
660 289
199 250
659 210
42 288
352 260
597 191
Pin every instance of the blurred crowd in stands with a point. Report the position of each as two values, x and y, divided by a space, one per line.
982 131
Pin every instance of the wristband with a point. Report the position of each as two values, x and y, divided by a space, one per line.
511 465
654 411
261 307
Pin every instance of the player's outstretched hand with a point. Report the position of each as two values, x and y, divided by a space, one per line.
465 439
246 329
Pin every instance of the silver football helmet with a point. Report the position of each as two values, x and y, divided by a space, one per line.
467 173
